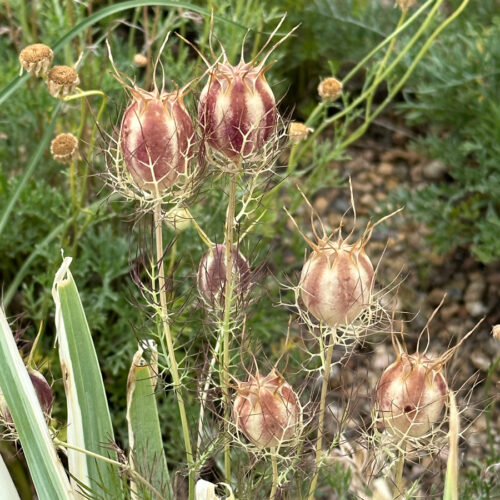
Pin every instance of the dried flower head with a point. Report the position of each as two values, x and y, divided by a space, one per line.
405 4
411 394
62 81
267 410
330 89
140 60
496 332
64 148
36 59
298 131
42 390
211 278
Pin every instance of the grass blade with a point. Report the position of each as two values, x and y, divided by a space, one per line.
451 481
89 421
46 470
146 445
8 487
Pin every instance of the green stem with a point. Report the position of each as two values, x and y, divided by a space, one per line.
170 345
228 297
398 475
327 368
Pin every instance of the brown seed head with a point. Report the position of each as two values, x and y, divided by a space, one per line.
64 148
62 81
496 332
405 4
267 410
411 394
140 60
330 89
36 59
298 131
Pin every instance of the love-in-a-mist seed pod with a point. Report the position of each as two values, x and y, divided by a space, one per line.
411 394
336 281
211 278
267 410
237 110
156 138
42 390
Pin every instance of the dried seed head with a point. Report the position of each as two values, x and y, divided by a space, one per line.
298 131
36 59
64 148
211 277
336 282
156 138
411 394
330 89
237 110
496 332
267 410
62 81
42 390
405 4
140 60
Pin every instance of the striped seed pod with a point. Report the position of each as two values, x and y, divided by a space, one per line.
267 410
211 278
42 390
411 394
237 110
156 138
36 59
336 282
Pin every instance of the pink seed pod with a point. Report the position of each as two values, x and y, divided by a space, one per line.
411 394
336 282
237 110
156 138
211 276
42 390
267 410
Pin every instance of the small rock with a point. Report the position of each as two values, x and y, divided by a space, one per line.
435 296
391 184
475 308
434 170
416 173
480 360
450 311
367 200
476 288
386 169
321 204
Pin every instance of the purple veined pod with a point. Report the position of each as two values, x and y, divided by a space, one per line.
267 410
237 110
156 138
336 282
211 277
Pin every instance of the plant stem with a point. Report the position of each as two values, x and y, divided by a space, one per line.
274 463
226 325
398 476
170 345
327 368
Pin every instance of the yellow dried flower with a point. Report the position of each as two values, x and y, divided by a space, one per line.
64 148
140 60
405 4
330 89
298 131
62 81
36 59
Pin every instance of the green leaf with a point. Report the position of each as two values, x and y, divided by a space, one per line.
146 445
48 474
8 487
89 421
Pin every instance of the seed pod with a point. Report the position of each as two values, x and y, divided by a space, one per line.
62 81
212 275
298 131
336 282
330 89
42 390
237 110
64 148
411 394
156 138
267 410
36 59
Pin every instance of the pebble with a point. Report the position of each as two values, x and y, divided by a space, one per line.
386 169
475 289
475 309
450 311
434 170
435 296
480 360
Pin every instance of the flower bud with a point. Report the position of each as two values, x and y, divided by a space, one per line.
64 148
42 390
411 394
156 138
36 59
212 275
330 89
298 131
237 110
267 410
62 81
336 282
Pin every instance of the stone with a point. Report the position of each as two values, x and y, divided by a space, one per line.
386 169
475 308
434 170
